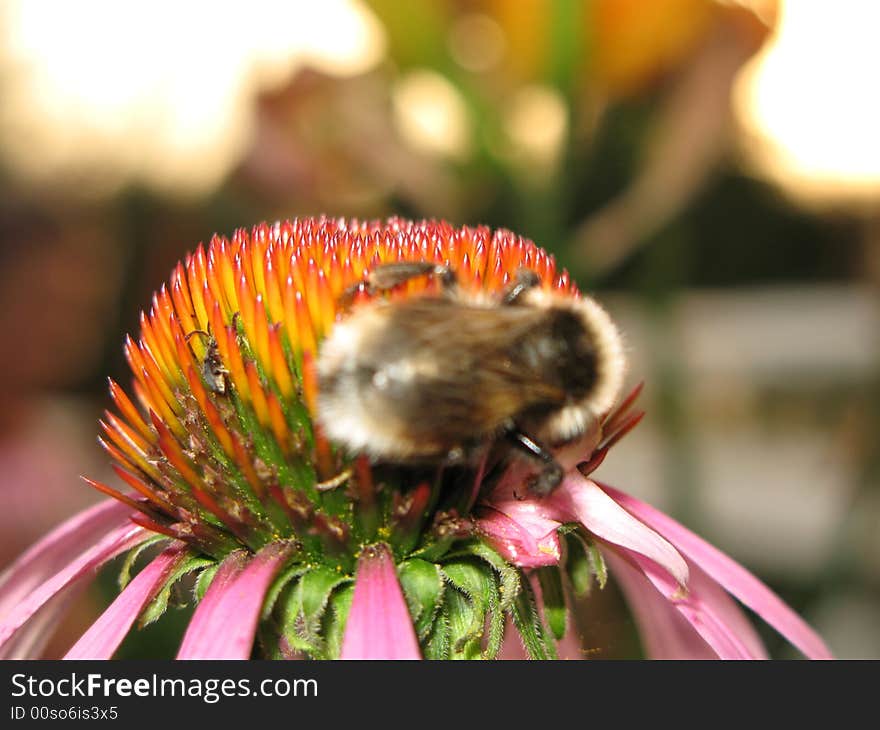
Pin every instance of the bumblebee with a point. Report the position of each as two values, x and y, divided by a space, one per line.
440 378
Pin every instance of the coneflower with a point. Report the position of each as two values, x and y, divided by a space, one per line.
294 548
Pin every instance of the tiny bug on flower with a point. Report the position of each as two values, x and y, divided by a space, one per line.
213 372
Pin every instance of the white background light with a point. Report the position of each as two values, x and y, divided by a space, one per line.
809 103
101 91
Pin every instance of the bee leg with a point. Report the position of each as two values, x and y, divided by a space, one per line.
388 276
196 332
525 279
551 472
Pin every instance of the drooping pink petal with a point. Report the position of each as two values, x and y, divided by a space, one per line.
80 568
31 641
528 541
706 621
581 500
379 624
714 621
728 611
225 622
198 633
664 632
106 634
54 551
730 575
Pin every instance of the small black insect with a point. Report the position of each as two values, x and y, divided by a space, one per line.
213 372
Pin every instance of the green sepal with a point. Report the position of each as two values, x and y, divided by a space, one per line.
577 564
304 607
436 549
476 582
278 585
306 647
422 585
509 575
496 622
203 581
133 554
479 581
465 625
436 646
528 623
335 618
583 563
597 564
553 600
267 641
159 604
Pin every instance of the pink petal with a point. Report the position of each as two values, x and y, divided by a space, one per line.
524 541
706 609
30 642
201 631
53 552
78 569
379 625
702 616
106 634
664 632
729 574
728 611
579 499
225 622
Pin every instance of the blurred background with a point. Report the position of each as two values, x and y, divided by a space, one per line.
709 169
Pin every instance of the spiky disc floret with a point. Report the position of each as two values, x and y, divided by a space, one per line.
218 441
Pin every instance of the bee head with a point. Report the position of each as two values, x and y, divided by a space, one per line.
582 353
